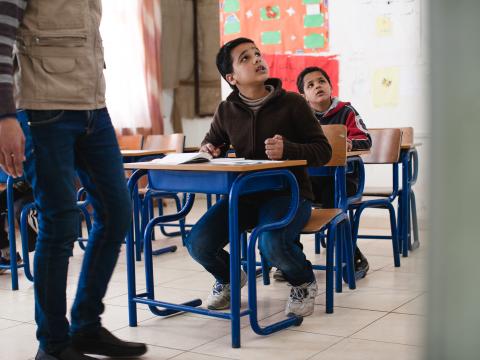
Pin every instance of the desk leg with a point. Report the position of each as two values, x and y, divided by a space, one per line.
11 233
235 295
405 207
136 224
132 306
416 240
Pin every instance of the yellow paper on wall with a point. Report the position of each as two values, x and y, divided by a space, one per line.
385 86
384 26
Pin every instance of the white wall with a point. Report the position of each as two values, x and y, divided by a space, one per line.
362 51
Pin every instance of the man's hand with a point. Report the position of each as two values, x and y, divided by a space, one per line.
212 150
274 147
12 147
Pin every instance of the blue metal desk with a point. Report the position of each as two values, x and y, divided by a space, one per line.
230 180
133 156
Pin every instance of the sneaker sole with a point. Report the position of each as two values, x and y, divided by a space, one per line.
361 273
218 308
304 315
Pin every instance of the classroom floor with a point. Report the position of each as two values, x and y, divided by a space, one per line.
382 319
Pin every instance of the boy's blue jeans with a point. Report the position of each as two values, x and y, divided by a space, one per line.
61 143
210 235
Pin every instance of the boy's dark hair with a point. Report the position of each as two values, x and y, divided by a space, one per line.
309 70
224 57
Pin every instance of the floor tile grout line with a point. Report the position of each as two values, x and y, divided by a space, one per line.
342 338
416 297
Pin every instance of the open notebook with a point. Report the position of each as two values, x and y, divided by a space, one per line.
193 158
183 158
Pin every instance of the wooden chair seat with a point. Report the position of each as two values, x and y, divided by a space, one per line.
318 219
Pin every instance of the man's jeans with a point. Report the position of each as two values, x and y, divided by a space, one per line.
210 235
64 143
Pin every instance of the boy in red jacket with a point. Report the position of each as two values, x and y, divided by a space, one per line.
315 85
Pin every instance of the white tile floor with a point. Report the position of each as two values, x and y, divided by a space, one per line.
382 319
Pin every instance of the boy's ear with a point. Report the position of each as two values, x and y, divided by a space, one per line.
231 80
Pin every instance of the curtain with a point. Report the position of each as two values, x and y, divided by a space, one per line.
151 31
125 62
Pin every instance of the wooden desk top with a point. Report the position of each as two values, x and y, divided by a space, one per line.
140 153
206 166
358 153
410 145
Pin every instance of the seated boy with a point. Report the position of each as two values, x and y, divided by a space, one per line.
261 121
315 85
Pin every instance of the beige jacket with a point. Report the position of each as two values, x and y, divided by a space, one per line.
59 56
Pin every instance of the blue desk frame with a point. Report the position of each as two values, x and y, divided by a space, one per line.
409 161
13 267
229 183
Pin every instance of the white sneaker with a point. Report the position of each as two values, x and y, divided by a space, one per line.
301 300
219 298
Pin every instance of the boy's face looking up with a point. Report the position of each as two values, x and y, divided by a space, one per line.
317 90
249 67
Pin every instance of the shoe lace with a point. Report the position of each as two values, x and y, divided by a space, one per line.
298 293
218 288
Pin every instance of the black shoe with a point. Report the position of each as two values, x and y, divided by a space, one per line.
361 264
103 342
6 262
68 354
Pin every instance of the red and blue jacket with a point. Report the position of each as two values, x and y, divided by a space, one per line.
345 114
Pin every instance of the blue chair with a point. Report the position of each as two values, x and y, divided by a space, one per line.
385 150
407 221
334 222
13 267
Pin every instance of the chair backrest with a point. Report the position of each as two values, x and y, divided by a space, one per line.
130 142
173 142
337 137
385 146
407 136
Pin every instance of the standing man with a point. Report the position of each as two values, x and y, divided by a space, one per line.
57 77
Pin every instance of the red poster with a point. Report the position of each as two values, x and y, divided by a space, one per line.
287 68
277 26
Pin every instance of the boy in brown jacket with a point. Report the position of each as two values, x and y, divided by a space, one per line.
261 121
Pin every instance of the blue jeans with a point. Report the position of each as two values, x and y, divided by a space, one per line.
61 144
210 235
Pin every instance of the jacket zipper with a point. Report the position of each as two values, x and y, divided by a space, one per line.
64 41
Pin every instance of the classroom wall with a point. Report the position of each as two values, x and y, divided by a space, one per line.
383 59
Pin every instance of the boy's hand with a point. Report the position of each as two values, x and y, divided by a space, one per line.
12 147
349 145
274 147
212 150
